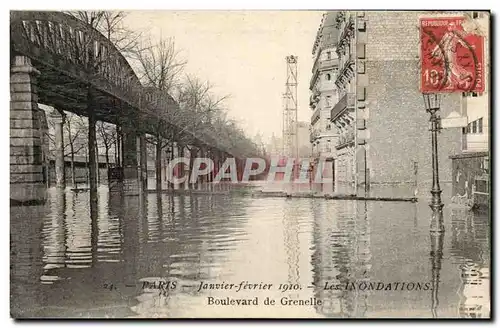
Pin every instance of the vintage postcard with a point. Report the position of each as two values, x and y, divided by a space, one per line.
250 164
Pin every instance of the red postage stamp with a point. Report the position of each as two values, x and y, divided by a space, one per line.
452 60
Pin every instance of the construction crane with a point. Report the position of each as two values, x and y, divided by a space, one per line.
290 118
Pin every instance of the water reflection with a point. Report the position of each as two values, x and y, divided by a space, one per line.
436 256
291 241
26 260
70 261
55 234
342 256
363 255
470 249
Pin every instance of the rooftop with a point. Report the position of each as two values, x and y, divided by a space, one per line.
327 32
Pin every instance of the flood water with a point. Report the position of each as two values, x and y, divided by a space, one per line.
145 257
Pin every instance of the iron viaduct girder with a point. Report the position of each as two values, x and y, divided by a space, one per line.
72 57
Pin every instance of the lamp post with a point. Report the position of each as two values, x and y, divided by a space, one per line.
432 105
168 154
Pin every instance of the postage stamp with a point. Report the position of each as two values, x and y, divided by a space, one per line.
452 60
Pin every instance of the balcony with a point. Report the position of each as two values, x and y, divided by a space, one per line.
345 139
313 136
346 102
316 115
314 100
347 30
324 64
345 25
346 70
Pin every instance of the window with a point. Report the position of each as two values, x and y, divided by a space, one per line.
470 94
469 128
328 55
475 14
480 125
328 101
474 127
464 130
328 127
328 77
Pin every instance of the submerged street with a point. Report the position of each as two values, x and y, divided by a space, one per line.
174 256
162 165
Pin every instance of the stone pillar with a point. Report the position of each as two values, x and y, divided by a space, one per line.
182 169
26 177
92 147
170 156
130 167
144 163
158 163
223 156
192 155
210 176
215 157
118 146
44 139
220 161
186 169
176 171
203 178
60 169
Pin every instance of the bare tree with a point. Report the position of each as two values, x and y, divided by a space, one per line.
76 129
107 136
111 25
158 67
198 108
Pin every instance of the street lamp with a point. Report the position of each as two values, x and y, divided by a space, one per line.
432 105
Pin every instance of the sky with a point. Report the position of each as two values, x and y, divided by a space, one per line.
243 54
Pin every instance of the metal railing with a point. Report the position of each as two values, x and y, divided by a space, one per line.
347 101
345 139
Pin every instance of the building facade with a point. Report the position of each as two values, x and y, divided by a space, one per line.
303 139
475 137
382 144
275 146
324 96
471 168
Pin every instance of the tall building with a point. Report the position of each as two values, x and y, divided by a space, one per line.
324 93
275 146
303 140
383 144
475 137
471 167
